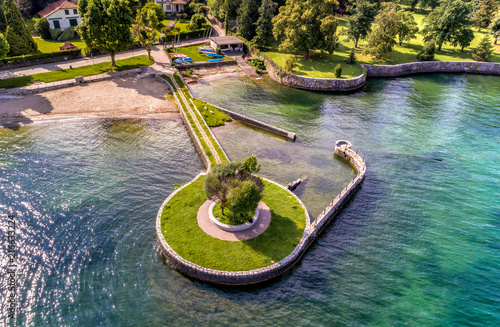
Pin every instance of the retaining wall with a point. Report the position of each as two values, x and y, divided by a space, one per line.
198 65
44 87
312 230
421 67
41 61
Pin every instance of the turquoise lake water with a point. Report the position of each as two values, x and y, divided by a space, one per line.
418 245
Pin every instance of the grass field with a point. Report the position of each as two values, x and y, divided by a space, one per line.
322 66
58 75
47 46
181 231
194 54
183 25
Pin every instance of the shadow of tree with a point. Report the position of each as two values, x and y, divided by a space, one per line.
148 86
12 111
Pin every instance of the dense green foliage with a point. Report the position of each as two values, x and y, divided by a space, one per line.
484 14
484 50
407 28
360 22
58 75
448 22
42 28
68 34
243 199
3 23
427 52
337 71
181 231
106 25
151 7
495 27
264 31
248 14
4 47
198 21
17 33
146 22
382 38
302 26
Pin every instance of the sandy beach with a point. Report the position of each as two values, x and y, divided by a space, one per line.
129 97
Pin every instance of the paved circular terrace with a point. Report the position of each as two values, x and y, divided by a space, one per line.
208 227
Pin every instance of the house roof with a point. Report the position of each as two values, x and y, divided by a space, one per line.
180 2
225 40
62 4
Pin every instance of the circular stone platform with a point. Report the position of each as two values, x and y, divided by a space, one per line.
208 227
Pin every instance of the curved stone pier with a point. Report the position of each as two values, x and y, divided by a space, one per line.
312 230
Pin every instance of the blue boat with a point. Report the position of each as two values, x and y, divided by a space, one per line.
183 60
214 55
206 50
214 60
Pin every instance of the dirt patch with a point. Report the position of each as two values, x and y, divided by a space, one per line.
118 98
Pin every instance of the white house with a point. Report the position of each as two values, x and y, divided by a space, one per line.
61 14
172 6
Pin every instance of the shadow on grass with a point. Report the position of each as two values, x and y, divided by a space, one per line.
280 238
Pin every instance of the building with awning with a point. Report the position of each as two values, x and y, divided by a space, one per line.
226 43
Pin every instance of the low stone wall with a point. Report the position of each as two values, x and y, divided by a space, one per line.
41 61
312 230
421 67
198 65
256 123
44 87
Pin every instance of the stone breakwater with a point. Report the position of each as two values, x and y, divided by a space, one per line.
198 65
422 67
312 230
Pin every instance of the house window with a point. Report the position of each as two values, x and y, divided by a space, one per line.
56 24
66 12
75 11
73 22
168 7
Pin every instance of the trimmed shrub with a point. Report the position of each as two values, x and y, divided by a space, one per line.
68 34
337 71
54 33
18 35
42 28
427 52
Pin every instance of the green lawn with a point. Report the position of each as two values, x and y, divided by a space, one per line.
195 54
47 46
181 231
162 24
183 25
321 66
124 64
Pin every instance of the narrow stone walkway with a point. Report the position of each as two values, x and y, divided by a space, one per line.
208 227
246 67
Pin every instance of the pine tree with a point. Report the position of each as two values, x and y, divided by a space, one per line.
264 32
427 52
248 14
337 72
484 50
3 23
17 34
106 25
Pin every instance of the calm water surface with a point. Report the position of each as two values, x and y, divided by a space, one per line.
418 245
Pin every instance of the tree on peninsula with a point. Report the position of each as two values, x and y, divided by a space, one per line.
17 33
106 25
264 31
360 22
447 22
302 26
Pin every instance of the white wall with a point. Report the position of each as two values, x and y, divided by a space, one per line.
62 18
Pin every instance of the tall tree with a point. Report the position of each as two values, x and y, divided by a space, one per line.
219 8
248 14
106 25
483 15
484 49
447 21
25 8
304 25
3 23
382 38
360 22
17 34
462 38
4 46
264 31
406 26
495 27
144 30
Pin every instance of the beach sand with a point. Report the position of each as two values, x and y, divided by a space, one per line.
129 97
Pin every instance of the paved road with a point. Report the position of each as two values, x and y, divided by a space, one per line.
23 71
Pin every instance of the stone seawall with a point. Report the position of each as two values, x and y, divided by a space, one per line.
312 230
198 65
44 87
422 67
